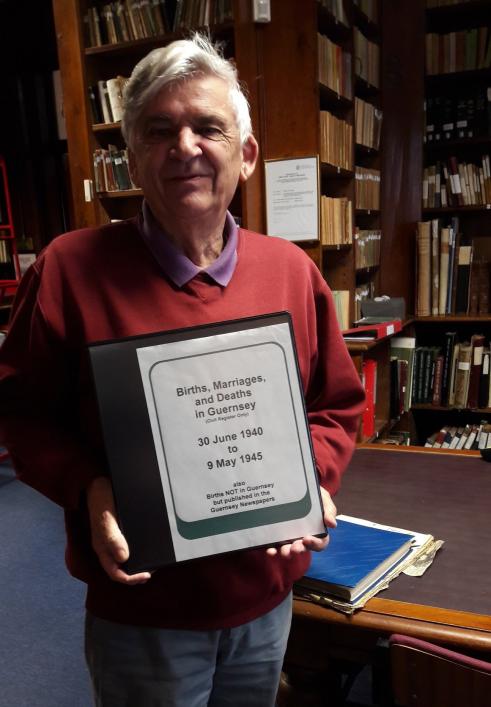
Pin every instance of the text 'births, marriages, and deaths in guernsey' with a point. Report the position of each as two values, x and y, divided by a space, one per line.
231 438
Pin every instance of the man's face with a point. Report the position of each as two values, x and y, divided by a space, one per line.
188 158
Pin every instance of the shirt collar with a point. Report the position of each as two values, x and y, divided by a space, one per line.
177 266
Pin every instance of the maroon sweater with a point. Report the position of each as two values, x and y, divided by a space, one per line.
97 284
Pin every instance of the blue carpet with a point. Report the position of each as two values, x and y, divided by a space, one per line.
41 606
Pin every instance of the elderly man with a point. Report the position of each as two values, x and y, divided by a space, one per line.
212 631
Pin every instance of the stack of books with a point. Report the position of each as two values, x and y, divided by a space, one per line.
456 183
469 437
451 278
459 117
106 100
361 559
466 50
111 170
334 67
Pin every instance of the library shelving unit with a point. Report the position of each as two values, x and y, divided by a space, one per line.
83 65
457 139
279 64
322 50
368 122
9 260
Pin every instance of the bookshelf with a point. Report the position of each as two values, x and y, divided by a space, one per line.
368 127
335 67
456 198
328 51
279 63
83 65
9 259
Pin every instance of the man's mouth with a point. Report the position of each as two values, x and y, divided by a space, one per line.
188 177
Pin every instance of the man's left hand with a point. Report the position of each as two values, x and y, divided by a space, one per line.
310 542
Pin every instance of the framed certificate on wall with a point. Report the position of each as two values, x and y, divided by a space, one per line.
207 439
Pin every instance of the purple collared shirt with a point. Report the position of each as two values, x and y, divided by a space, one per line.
177 266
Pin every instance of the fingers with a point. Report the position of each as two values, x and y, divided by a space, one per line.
330 510
297 547
310 542
108 541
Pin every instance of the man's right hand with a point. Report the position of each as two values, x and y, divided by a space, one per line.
108 541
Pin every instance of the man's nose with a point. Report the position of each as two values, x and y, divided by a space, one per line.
186 144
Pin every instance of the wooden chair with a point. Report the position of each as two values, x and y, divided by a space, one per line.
427 675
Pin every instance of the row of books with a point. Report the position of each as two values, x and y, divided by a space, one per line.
369 380
336 9
450 117
465 50
336 141
449 279
336 220
367 188
111 170
106 100
457 183
334 67
453 375
465 380
125 20
370 8
367 248
367 59
368 124
202 13
469 437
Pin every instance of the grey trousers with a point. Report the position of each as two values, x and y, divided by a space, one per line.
133 666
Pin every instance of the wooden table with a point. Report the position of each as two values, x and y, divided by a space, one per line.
447 495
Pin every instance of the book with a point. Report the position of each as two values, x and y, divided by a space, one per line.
464 260
448 347
435 266
437 382
462 375
423 242
104 101
115 87
369 378
477 344
403 348
453 370
358 554
371 332
342 304
166 418
483 398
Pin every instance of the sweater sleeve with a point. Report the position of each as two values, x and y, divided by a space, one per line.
335 397
38 412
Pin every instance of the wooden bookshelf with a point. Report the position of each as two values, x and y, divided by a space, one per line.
9 260
82 66
463 133
278 62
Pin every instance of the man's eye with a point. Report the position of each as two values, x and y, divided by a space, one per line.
158 132
210 131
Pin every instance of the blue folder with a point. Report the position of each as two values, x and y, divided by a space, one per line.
356 557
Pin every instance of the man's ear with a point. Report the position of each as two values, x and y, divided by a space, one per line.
133 169
250 151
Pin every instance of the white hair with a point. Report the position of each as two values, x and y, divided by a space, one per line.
180 60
